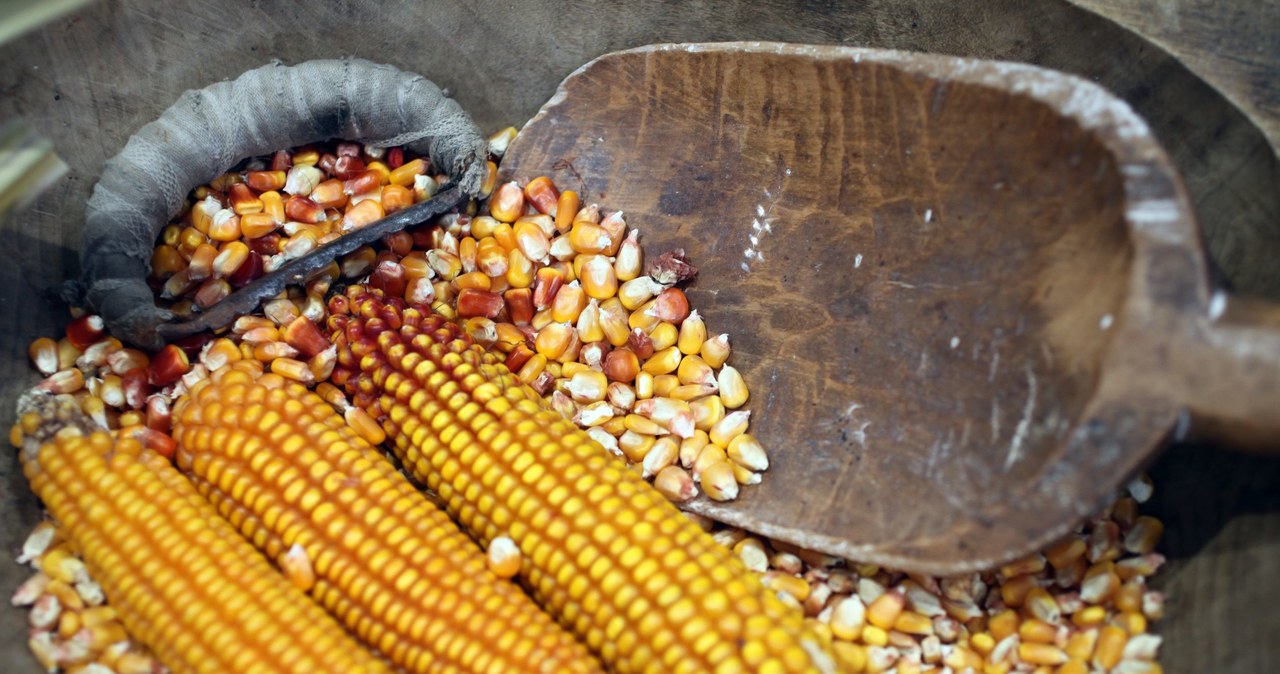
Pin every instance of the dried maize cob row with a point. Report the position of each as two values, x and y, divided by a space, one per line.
644 586
182 580
284 468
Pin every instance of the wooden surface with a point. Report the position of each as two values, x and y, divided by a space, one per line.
90 79
1234 46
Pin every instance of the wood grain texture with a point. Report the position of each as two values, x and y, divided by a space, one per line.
1233 46
89 80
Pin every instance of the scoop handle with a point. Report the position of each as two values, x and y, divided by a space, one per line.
1226 368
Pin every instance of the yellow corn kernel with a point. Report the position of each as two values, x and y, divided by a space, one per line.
1004 624
746 451
629 263
715 351
962 658
1066 552
613 320
693 332
910 622
598 279
885 609
552 340
272 206
1110 647
1073 666
852 657
982 643
733 390
519 269
505 235
874 636
1129 596
1131 622
694 370
1081 643
795 586
1144 535
127 509
663 336
1014 591
730 427
707 412
405 173
1099 583
1041 654
634 293
1041 605
626 542
569 302
1089 616
664 384
663 362
1037 631
298 509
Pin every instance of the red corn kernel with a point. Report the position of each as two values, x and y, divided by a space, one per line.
243 200
192 344
160 443
640 343
400 243
348 167
248 272
389 277
304 335
519 305
86 330
473 302
281 161
265 181
303 209
329 194
327 162
266 245
518 357
671 306
395 157
159 413
542 193
168 365
543 383
363 182
135 387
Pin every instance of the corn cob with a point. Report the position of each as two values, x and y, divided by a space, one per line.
282 466
182 580
644 586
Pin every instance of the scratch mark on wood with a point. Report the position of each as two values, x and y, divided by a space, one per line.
1024 424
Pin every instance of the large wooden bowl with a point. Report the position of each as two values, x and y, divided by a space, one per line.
89 80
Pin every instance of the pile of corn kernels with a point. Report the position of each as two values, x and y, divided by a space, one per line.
563 291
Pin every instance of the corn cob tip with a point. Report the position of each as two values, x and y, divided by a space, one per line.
43 415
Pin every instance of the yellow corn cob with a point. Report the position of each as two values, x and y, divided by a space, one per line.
285 469
604 551
181 579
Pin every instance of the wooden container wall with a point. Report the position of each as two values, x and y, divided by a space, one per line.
89 80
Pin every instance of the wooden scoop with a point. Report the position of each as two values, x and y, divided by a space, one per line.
969 298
